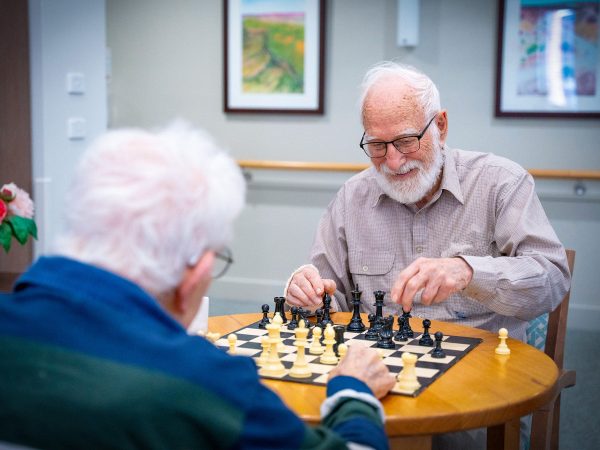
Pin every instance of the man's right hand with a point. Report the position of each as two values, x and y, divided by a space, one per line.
365 364
306 288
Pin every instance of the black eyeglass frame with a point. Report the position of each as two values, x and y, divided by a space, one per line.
224 255
408 136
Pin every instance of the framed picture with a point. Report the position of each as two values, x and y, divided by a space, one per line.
274 56
548 58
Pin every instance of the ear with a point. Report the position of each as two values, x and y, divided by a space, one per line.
195 278
442 123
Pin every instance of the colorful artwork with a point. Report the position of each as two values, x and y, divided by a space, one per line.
273 46
558 50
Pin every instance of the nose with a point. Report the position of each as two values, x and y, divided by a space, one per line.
393 158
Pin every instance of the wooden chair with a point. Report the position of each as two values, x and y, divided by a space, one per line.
545 422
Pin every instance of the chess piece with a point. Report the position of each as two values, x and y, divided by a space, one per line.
379 295
316 348
408 332
342 350
273 367
326 310
303 316
265 318
279 308
300 369
262 359
386 334
232 339
438 351
339 337
294 321
502 348
426 338
328 356
400 335
319 315
407 382
356 324
372 334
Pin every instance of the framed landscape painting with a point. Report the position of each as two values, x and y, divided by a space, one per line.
274 56
548 58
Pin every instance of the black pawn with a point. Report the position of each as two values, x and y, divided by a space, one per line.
265 319
438 352
279 301
356 324
339 337
326 308
426 338
408 332
400 335
303 315
386 333
372 334
294 321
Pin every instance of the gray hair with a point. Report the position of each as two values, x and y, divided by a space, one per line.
143 204
425 88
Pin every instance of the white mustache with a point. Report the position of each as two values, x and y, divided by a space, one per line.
402 170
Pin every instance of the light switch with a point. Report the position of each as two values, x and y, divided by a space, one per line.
76 128
75 83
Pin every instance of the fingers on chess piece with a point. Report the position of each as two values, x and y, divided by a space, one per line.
502 348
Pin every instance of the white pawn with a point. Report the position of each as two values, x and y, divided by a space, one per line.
264 356
342 350
277 320
502 348
328 357
316 348
232 339
300 369
407 382
273 367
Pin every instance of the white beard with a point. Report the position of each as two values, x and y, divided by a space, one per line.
416 188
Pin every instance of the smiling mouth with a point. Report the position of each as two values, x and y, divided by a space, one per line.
402 173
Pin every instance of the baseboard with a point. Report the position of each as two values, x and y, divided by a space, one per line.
584 317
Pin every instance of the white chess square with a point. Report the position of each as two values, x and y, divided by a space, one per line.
444 360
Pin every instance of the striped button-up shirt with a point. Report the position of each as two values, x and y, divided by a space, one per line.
486 211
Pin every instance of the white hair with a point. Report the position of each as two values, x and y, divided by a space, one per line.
425 89
143 204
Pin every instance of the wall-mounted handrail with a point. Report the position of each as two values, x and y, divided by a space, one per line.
566 174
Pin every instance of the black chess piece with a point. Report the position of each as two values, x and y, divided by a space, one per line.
319 314
294 320
426 338
379 295
356 324
339 337
279 301
400 335
326 309
408 332
372 334
265 318
303 315
386 333
438 351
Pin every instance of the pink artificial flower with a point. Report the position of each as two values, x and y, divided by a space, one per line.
8 192
3 210
21 205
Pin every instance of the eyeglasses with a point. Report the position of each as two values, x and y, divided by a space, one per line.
223 259
405 144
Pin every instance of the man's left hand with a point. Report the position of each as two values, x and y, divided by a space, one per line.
437 277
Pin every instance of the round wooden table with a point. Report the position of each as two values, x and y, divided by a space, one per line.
482 390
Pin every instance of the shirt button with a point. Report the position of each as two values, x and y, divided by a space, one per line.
419 249
365 268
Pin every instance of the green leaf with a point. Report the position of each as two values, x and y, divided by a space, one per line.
21 228
5 236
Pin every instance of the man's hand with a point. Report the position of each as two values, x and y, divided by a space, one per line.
306 288
437 277
365 364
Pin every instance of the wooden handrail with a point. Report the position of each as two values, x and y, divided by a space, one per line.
567 174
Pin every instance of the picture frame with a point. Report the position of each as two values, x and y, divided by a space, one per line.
274 56
548 59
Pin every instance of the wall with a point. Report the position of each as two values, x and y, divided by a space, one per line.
66 36
167 62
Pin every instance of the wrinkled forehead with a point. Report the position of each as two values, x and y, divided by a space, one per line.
391 100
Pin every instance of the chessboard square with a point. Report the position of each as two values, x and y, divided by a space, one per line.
321 379
398 391
253 331
289 357
287 349
429 358
310 358
250 345
361 342
418 349
246 351
386 352
278 376
256 339
393 361
453 346
425 373
320 368
222 343
350 335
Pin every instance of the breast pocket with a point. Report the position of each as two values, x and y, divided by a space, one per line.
372 270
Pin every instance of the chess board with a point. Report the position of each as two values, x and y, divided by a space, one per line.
428 369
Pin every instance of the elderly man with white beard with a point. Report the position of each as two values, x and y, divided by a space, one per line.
448 234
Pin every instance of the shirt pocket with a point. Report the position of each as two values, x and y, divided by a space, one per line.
371 263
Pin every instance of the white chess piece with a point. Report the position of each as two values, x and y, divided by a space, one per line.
502 348
264 356
342 350
232 339
300 369
407 382
328 357
316 348
273 367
